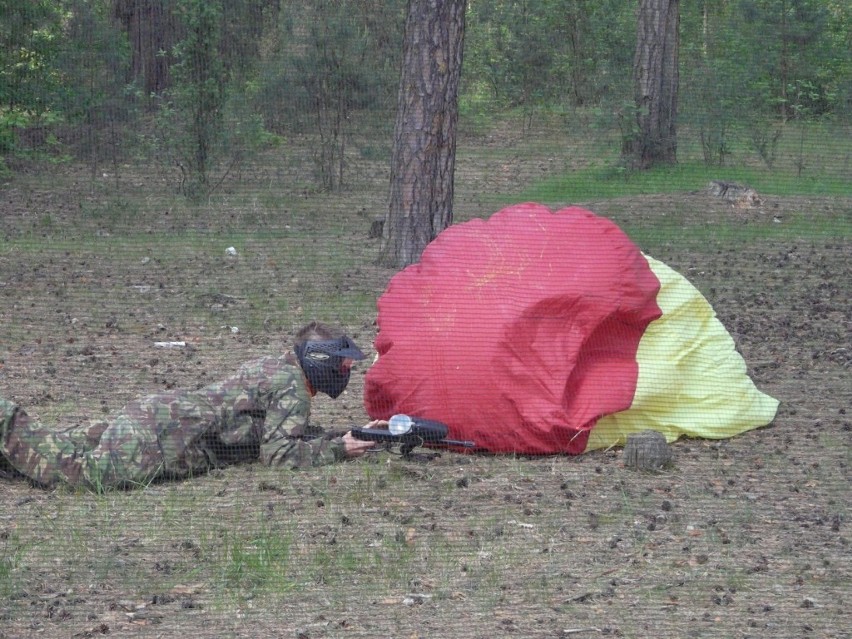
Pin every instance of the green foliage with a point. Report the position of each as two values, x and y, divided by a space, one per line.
94 99
512 51
333 59
11 122
329 70
749 67
531 54
243 132
29 135
205 125
749 60
243 26
30 36
794 48
62 80
199 91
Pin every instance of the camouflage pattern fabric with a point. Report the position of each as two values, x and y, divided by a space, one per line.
259 413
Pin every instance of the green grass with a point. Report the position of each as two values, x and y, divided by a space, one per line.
610 182
256 561
676 232
811 159
11 551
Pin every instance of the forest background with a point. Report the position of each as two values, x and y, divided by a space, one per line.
197 89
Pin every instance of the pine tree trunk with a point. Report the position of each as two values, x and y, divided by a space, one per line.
655 86
424 152
152 30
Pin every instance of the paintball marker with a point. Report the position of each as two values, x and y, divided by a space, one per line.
410 432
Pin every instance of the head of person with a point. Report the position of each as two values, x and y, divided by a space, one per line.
326 356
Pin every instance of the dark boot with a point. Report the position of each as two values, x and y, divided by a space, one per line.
7 415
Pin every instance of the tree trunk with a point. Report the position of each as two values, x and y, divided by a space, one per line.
152 31
655 86
784 64
424 152
576 22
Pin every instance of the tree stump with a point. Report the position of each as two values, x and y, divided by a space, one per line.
377 227
647 450
739 195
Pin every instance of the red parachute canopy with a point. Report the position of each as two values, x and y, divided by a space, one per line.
519 331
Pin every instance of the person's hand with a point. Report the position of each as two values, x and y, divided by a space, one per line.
357 447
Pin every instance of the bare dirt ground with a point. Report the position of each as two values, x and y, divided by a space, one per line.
748 537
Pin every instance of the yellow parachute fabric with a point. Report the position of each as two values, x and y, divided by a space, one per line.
692 381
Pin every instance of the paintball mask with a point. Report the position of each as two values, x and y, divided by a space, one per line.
323 363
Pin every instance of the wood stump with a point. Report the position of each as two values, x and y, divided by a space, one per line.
647 450
377 227
739 195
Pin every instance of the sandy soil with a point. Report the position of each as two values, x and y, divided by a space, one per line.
746 537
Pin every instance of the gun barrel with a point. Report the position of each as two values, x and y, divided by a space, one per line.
422 432
457 442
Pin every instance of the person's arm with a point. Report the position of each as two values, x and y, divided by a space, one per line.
284 432
303 453
288 439
304 446
316 449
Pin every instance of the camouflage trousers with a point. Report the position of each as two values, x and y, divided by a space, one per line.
123 453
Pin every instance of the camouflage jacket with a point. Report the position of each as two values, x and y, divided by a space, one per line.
259 413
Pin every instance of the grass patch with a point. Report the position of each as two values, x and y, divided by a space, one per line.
256 561
11 551
610 182
812 160
674 232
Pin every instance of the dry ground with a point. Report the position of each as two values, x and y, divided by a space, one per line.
748 537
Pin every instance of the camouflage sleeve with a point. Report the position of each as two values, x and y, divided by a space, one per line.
288 438
304 453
